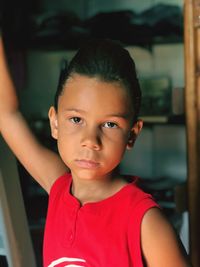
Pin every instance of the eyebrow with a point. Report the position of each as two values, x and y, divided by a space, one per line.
75 110
118 115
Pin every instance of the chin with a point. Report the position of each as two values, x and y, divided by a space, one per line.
88 175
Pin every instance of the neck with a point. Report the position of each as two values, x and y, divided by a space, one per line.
96 189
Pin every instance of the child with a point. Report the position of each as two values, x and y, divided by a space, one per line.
96 217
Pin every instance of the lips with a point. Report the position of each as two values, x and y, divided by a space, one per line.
87 164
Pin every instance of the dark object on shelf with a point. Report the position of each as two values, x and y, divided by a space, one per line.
65 30
120 26
158 24
177 119
165 20
15 26
156 96
57 30
3 261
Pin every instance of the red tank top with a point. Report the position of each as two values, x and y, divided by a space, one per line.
101 234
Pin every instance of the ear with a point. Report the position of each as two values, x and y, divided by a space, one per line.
136 129
53 122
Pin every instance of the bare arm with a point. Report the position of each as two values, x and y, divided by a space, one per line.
44 165
160 244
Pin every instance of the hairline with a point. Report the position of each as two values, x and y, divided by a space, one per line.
100 78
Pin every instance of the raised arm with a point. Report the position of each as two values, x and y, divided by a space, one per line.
43 164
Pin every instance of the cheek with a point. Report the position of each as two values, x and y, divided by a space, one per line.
118 138
116 147
119 143
66 145
63 149
66 127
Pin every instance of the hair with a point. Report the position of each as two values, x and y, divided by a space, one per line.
107 60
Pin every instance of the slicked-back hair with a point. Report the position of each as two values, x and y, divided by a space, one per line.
108 61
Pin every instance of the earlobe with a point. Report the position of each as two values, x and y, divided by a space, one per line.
136 129
53 122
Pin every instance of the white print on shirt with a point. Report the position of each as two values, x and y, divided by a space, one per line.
69 262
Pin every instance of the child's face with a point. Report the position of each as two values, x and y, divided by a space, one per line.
93 126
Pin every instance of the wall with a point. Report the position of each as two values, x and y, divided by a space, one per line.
153 143
159 152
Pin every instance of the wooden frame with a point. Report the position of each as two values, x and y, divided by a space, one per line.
192 108
17 242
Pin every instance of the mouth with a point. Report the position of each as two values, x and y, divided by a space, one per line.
87 164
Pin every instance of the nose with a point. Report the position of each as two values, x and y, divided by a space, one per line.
91 138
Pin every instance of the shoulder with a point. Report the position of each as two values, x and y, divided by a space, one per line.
139 199
138 202
160 243
61 184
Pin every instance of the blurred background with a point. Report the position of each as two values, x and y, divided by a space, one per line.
39 34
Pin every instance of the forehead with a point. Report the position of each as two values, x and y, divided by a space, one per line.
88 92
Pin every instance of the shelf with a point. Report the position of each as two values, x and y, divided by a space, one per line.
155 119
172 119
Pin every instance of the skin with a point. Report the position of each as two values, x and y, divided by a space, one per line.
160 244
92 146
44 165
92 137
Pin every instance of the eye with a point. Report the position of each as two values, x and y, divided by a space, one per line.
76 120
110 124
